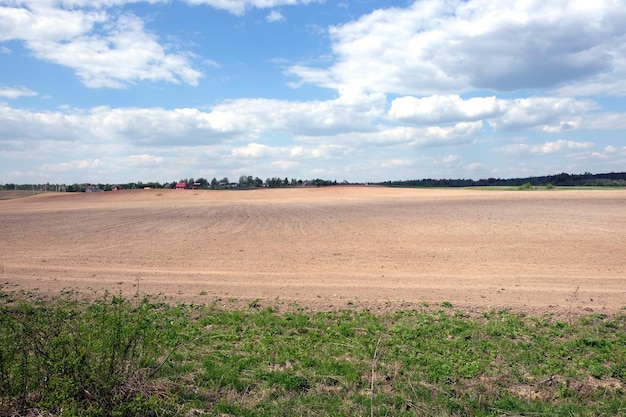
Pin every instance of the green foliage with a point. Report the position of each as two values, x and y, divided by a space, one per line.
113 357
71 358
613 179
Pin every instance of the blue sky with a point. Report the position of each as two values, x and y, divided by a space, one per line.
118 91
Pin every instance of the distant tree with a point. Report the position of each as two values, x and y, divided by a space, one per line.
274 182
203 182
224 183
246 181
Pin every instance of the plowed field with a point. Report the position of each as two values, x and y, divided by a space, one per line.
535 251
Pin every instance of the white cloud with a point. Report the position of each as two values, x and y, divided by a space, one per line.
475 166
16 92
559 146
443 109
605 121
397 163
435 47
235 120
348 113
123 55
275 16
450 159
414 137
610 149
282 154
39 22
238 7
253 150
105 51
144 160
550 114
612 158
547 113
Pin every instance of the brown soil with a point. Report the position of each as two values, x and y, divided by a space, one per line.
558 252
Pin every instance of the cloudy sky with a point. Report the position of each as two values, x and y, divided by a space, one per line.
359 90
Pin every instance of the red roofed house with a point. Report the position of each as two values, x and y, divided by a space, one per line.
181 185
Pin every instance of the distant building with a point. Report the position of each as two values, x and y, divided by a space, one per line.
92 189
181 185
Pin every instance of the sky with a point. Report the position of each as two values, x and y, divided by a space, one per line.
117 91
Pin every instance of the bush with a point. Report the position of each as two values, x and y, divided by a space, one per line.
69 358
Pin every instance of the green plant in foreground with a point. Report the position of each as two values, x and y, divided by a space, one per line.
69 358
115 358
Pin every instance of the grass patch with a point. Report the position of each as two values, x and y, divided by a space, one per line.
113 357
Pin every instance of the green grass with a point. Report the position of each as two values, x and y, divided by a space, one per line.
115 357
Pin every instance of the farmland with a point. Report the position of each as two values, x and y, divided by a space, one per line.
314 301
326 247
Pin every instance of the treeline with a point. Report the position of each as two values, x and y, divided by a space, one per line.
245 182
613 179
251 182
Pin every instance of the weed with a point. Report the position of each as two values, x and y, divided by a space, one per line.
111 357
68 358
572 299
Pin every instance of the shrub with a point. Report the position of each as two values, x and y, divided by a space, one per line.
69 358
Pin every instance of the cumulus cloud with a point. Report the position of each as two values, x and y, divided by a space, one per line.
393 136
238 7
241 120
275 16
435 47
347 113
254 150
282 154
546 148
37 21
444 109
551 114
103 49
605 121
16 92
144 160
123 55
